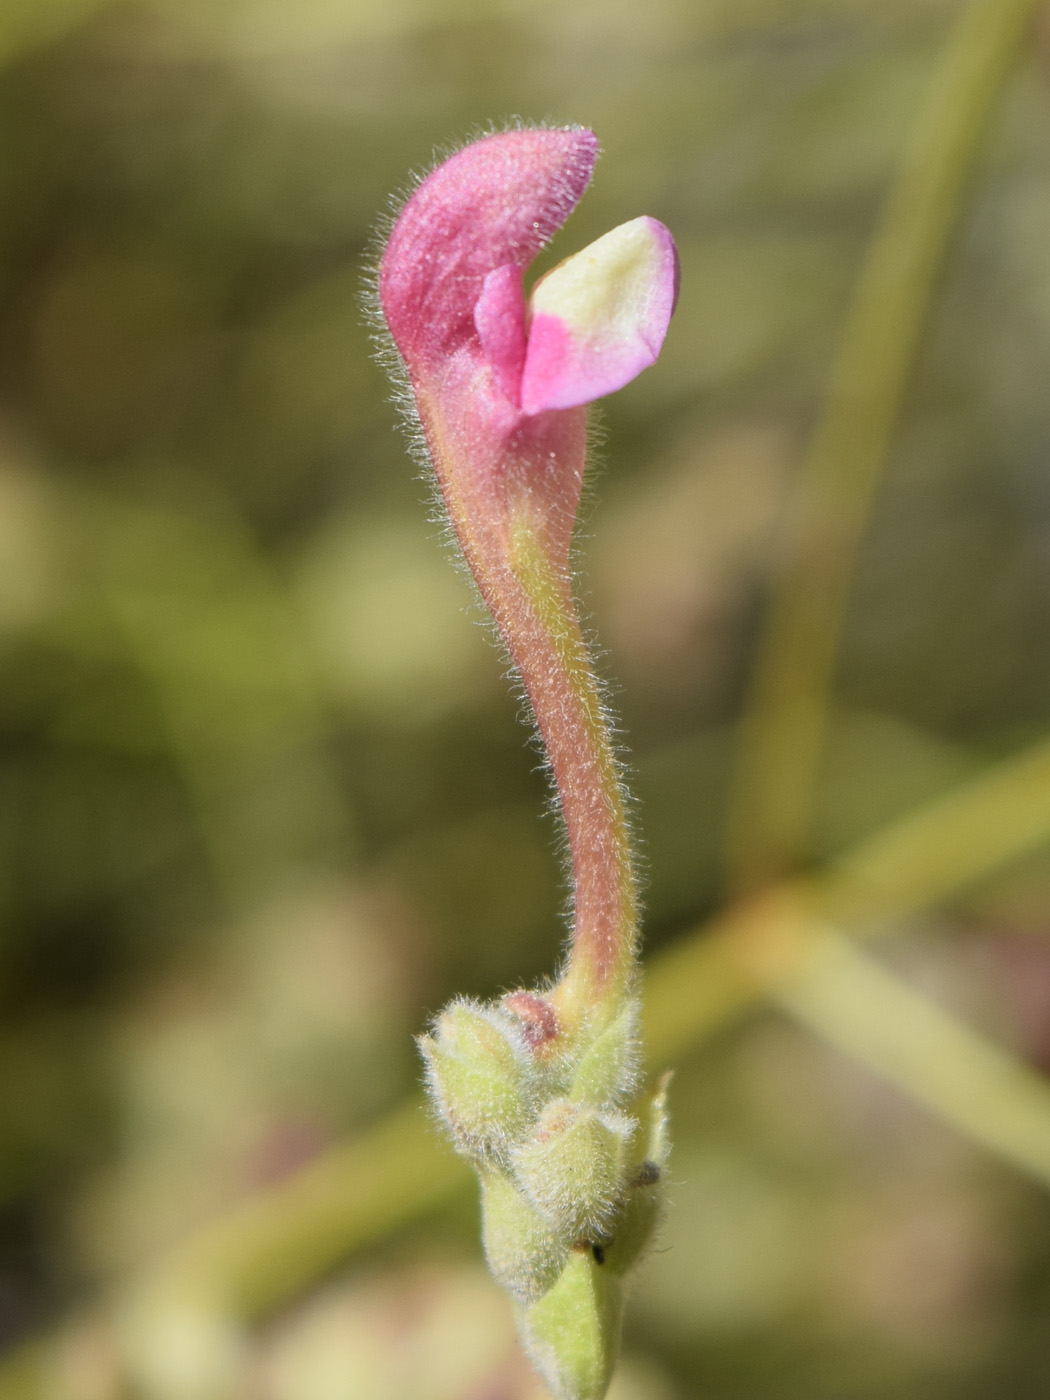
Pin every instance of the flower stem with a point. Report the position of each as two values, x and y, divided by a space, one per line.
556 671
516 537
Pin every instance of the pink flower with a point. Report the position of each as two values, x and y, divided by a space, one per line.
500 384
451 277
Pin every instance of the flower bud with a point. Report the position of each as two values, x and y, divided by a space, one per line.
478 1076
572 1167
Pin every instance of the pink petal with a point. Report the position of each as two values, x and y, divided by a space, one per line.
499 317
496 201
600 317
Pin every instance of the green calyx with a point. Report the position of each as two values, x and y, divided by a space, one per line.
571 1160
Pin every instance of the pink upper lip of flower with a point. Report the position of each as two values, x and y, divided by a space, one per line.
450 280
497 201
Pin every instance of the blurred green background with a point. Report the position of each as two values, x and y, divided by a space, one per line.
265 799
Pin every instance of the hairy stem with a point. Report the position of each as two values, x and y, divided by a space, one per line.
555 666
519 556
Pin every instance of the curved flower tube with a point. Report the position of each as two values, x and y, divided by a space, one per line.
540 1090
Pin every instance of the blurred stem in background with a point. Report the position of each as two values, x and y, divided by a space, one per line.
784 726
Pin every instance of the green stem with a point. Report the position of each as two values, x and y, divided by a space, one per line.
556 669
514 519
784 724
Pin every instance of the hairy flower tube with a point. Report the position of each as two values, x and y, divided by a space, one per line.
540 1089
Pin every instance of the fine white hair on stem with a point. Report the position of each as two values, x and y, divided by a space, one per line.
403 398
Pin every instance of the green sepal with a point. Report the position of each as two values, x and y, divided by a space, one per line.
572 1334
524 1254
